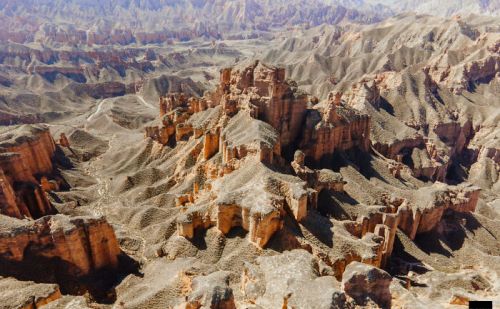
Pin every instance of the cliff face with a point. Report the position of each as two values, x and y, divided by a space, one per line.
335 127
45 247
26 154
34 147
81 244
274 100
421 211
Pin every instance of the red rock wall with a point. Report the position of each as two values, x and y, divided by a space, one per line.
21 160
322 139
83 244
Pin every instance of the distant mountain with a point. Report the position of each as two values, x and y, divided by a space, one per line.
126 22
440 8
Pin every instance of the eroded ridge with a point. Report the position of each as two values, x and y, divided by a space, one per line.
237 140
250 123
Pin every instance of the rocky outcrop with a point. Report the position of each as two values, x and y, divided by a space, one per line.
261 92
80 245
8 202
380 222
365 283
421 211
63 140
290 280
251 121
332 128
26 153
173 125
277 102
211 291
317 179
400 147
413 213
463 77
244 136
234 135
26 294
430 158
364 92
251 197
34 147
431 203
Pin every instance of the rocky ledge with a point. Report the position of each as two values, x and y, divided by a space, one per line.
80 244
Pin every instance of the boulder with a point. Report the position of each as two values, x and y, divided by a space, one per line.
365 283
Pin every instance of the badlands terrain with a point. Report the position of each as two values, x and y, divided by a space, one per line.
249 154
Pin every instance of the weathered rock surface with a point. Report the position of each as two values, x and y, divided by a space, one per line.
26 153
424 210
334 127
26 294
211 291
364 282
252 197
290 280
242 178
80 244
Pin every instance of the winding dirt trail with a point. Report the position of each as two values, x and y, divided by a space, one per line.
141 99
98 109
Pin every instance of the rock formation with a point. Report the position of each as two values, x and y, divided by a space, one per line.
26 153
362 282
27 295
251 120
292 279
236 133
237 143
422 212
371 147
334 128
211 291
77 246
80 244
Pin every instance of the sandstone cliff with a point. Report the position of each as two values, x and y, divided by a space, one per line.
81 245
26 154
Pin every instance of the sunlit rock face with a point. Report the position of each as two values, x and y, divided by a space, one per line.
26 154
82 245
33 238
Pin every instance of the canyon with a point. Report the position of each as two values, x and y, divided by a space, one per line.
31 230
249 154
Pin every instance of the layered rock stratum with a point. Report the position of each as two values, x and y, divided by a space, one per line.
34 239
299 154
